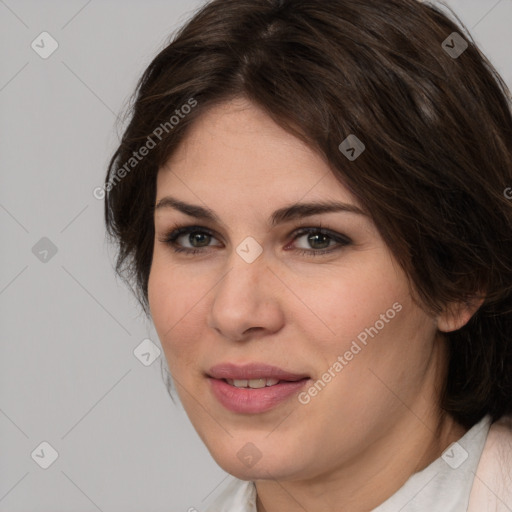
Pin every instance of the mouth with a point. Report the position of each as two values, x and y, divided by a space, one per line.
253 372
253 383
253 388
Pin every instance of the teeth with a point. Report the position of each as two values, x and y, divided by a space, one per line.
252 383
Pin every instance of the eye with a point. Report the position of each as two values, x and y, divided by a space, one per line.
320 239
196 234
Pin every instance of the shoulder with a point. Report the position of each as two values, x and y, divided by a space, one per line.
492 486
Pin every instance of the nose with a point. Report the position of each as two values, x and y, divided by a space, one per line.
246 301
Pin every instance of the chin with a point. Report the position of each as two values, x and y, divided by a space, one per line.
260 471
244 460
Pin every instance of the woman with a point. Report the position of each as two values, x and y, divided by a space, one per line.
311 200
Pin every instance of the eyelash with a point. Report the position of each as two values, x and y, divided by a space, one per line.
177 231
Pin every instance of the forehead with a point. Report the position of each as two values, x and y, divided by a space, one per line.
237 150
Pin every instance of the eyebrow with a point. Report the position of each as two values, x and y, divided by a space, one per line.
285 214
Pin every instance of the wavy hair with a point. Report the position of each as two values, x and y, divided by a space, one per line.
436 122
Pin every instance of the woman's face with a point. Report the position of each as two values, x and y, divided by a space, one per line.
334 308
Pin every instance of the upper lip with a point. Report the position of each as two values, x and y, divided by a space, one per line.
252 371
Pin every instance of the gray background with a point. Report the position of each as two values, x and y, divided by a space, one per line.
69 375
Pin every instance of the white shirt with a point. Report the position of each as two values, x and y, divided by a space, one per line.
445 485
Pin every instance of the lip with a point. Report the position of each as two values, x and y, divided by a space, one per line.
253 371
253 401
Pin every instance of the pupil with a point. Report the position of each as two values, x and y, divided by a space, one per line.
199 235
314 238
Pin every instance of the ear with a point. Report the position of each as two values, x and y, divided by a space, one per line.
458 314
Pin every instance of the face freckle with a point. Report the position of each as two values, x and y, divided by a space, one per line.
344 319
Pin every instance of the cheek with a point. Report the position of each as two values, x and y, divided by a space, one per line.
174 302
380 350
355 299
370 320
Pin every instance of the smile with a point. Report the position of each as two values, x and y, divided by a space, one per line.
248 399
252 383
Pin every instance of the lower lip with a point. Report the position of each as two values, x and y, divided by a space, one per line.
252 401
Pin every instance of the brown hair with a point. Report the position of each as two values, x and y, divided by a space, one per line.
437 128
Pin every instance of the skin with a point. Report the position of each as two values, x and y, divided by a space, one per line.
377 421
